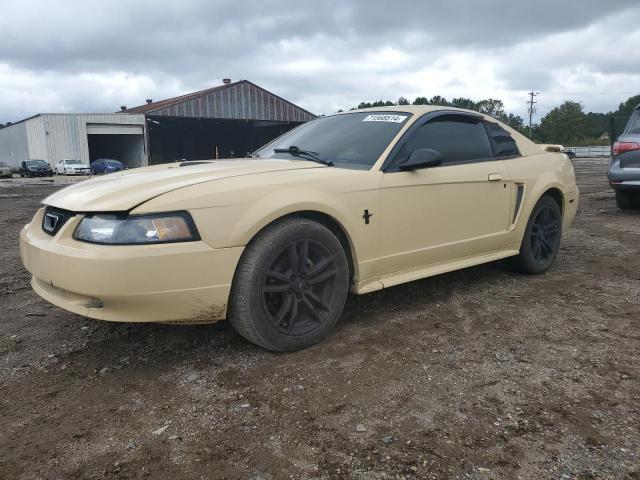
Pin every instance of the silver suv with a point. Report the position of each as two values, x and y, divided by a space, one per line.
624 167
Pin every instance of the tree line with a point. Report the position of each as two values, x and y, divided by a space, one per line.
566 124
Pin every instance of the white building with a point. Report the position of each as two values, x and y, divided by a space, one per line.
57 136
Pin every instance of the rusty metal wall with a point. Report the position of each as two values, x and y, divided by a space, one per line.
241 101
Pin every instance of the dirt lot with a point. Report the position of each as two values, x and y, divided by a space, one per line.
478 374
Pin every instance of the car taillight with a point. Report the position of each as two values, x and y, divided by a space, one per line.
622 147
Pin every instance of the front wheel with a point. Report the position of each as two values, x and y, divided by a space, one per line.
541 240
290 286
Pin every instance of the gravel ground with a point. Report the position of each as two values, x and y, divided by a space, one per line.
478 374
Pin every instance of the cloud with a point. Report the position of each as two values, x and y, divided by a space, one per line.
95 55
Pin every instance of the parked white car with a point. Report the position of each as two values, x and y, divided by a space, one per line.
72 167
5 170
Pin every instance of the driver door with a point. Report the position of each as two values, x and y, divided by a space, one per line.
448 212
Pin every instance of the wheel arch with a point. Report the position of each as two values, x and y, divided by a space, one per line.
330 223
557 195
537 192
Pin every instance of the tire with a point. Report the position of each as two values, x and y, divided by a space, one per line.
541 240
278 300
627 200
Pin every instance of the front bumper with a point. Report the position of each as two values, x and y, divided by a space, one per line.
570 208
174 282
40 173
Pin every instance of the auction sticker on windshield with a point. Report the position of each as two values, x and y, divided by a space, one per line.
385 118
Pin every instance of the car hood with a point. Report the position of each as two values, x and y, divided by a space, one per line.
127 189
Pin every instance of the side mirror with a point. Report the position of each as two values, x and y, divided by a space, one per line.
422 158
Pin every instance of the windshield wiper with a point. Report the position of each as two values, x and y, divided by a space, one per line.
306 154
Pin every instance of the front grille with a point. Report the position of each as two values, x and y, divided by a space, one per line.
54 218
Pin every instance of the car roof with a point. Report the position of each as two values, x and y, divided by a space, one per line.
410 109
525 145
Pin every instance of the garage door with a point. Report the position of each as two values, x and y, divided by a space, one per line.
94 129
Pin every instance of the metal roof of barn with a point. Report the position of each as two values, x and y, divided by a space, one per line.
239 100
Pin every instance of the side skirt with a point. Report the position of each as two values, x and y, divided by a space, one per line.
404 276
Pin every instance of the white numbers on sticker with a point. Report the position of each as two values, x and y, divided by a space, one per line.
384 118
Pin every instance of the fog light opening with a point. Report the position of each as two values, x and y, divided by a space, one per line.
94 303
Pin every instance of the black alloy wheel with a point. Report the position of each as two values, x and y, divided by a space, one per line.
299 287
542 236
290 285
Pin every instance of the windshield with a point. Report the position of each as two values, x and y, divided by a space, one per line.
633 126
352 140
73 162
37 163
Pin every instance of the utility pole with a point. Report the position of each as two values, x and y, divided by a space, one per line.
531 109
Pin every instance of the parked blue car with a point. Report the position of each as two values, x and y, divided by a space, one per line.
106 165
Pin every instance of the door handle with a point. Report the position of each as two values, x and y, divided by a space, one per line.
495 177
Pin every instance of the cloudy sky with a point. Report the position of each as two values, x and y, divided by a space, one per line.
325 55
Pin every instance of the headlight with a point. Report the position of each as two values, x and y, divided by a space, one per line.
114 229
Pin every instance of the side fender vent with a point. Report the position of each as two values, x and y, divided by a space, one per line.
519 196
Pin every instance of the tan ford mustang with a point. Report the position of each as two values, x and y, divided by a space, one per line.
358 201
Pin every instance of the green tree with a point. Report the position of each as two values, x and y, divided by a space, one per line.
514 121
438 100
464 103
421 101
403 101
618 120
565 124
627 107
491 107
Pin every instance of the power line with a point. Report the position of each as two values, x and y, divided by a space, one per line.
588 93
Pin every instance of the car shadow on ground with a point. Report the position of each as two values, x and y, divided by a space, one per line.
164 344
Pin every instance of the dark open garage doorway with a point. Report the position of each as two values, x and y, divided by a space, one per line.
175 138
119 142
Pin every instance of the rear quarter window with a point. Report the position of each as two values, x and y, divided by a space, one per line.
503 144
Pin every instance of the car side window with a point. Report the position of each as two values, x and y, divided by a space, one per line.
503 144
460 139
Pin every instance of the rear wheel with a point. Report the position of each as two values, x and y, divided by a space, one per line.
627 200
290 286
541 240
